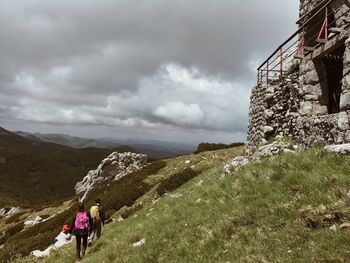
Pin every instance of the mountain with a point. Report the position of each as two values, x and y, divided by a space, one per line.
72 141
33 171
150 147
156 148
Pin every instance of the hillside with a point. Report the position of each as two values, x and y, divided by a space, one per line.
71 141
34 172
150 147
275 210
126 195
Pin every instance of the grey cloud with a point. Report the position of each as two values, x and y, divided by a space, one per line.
100 63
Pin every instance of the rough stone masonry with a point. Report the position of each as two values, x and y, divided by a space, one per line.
311 102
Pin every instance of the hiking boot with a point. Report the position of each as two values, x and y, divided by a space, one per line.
83 252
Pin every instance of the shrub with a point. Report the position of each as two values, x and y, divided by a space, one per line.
176 181
39 236
125 191
205 147
10 232
14 219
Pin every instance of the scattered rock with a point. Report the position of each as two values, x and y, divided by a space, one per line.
61 240
199 200
176 195
200 183
12 211
338 149
333 227
33 222
269 150
239 161
139 243
344 226
187 162
226 169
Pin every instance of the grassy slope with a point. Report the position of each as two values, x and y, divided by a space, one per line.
252 216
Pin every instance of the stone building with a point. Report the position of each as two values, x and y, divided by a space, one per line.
303 89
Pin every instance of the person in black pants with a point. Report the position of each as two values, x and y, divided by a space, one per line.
81 228
98 216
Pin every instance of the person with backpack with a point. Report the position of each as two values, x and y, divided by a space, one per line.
98 217
81 228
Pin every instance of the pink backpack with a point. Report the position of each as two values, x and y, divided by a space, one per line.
81 220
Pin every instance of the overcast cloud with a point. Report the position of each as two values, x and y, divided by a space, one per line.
179 70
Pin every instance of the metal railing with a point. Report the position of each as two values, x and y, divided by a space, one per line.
296 46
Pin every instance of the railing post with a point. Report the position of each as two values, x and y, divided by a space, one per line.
324 28
281 62
326 25
267 72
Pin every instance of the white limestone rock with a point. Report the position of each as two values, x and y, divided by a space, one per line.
33 222
305 108
311 78
239 161
12 211
61 240
139 243
345 101
343 121
114 167
2 212
338 148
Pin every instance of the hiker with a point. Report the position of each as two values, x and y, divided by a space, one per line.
81 228
98 217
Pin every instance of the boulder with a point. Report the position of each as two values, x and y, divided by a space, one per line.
343 121
345 101
239 161
311 78
338 148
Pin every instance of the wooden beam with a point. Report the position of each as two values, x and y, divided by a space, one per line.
336 30
309 48
328 47
299 56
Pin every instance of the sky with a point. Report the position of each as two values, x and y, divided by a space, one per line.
174 70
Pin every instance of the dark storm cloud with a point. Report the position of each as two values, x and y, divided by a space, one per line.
131 63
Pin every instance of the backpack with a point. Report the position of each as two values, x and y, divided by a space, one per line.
95 213
81 221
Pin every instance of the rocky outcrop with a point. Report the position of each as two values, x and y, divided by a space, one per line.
338 149
279 146
61 240
114 167
8 212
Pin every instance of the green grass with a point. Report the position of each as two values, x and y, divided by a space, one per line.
251 216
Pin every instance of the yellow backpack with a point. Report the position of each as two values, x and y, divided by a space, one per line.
95 213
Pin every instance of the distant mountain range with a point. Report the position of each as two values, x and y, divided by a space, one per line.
33 171
150 147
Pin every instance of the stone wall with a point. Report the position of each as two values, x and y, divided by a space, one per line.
274 109
297 105
307 5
